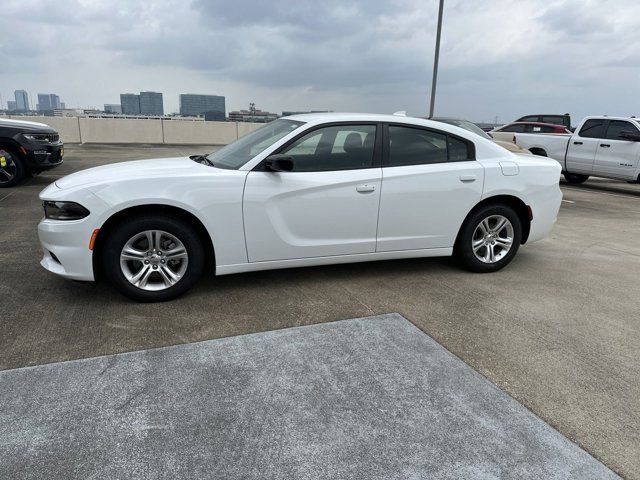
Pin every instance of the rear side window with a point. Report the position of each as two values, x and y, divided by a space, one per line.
593 128
616 127
552 119
513 128
415 146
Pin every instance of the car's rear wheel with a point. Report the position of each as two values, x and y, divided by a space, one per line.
575 178
12 170
153 259
489 239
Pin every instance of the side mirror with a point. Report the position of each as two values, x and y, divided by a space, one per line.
279 163
633 136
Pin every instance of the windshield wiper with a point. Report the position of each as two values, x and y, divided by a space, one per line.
202 159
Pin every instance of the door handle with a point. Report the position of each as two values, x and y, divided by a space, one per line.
577 143
605 145
365 188
467 178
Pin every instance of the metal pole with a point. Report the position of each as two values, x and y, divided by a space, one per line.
435 60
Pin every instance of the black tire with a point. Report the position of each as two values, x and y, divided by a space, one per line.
575 178
128 229
12 169
463 250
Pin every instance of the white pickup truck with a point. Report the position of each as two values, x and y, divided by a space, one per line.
601 146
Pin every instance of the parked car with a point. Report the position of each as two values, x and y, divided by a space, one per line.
304 190
27 148
556 119
472 127
532 127
601 146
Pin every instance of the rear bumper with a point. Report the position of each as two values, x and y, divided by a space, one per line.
545 213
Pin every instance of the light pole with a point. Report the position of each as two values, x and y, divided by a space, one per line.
435 60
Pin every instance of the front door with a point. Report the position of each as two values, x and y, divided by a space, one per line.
327 205
617 156
581 151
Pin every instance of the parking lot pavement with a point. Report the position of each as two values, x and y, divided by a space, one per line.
558 329
365 398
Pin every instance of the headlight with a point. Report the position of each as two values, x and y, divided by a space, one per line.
64 210
52 137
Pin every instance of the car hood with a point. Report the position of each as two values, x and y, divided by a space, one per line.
161 167
24 126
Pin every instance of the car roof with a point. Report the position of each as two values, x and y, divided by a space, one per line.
317 118
540 124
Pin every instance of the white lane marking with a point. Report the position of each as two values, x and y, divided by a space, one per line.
568 201
601 193
7 195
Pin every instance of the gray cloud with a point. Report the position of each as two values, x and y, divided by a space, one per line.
499 57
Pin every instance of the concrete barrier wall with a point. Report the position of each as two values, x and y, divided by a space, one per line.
127 130
120 130
203 133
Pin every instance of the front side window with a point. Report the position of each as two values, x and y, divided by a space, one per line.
338 147
616 127
236 154
593 128
415 146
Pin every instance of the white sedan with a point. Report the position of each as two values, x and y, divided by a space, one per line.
304 190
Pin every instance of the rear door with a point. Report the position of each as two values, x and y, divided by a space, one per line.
431 181
581 151
615 155
326 206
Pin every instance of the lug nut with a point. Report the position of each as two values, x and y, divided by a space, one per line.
146 262
155 267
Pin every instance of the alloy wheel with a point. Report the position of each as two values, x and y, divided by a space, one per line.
154 260
492 239
8 167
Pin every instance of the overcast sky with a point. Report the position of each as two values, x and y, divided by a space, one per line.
503 58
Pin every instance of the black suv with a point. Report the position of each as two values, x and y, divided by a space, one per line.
27 148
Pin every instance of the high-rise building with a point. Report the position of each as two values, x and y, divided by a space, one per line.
48 101
11 105
112 108
130 103
22 100
193 105
151 103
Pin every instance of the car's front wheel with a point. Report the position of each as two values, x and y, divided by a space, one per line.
489 239
153 259
12 170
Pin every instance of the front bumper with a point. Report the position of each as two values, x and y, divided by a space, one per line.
65 246
44 156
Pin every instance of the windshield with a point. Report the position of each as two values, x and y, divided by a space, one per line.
236 154
467 125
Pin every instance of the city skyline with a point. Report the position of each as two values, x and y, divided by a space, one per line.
499 57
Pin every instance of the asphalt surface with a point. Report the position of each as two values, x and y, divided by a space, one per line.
558 330
367 398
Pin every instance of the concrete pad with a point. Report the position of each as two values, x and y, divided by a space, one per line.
365 398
